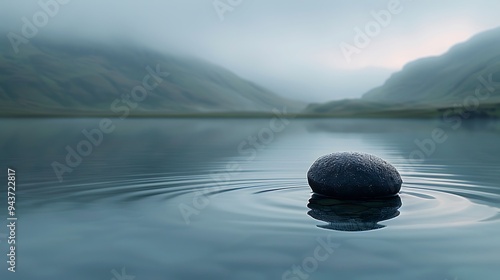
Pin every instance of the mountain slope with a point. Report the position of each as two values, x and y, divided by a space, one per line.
447 78
429 86
70 79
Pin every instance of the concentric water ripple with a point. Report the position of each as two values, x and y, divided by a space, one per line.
430 198
159 198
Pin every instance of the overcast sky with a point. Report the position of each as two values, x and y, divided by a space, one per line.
293 47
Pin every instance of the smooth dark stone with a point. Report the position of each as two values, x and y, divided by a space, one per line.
353 175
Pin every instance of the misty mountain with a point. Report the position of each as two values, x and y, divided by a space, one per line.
446 78
434 83
74 79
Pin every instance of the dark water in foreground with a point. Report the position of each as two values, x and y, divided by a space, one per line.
228 199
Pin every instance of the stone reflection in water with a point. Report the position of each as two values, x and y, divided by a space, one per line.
353 215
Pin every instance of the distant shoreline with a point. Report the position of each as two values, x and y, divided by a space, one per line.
389 114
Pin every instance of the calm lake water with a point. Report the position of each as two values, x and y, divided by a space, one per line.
229 199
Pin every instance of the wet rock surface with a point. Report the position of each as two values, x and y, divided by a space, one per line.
353 175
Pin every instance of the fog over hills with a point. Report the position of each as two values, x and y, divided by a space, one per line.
446 78
467 77
80 79
291 47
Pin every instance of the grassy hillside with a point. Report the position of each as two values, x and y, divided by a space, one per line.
358 108
433 86
75 80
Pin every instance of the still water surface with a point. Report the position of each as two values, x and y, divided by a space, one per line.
228 199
